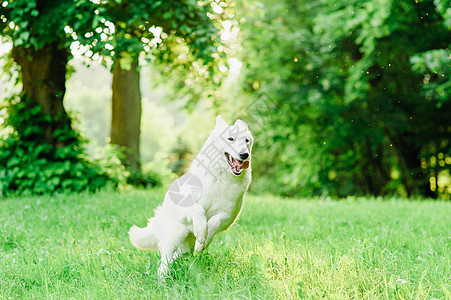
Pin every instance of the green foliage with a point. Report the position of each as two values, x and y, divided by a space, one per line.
179 38
180 157
135 24
38 23
144 179
435 66
30 166
109 159
361 90
121 30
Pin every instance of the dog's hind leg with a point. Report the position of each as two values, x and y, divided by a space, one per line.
168 249
177 253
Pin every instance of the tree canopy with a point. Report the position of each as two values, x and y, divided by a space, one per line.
361 92
46 33
344 97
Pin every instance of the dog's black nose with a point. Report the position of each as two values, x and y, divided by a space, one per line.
244 155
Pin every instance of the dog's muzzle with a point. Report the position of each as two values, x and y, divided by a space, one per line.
237 165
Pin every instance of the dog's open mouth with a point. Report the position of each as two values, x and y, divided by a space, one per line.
236 165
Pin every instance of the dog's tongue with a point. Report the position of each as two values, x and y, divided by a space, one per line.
239 164
245 165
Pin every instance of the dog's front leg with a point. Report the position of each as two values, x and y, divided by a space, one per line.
214 223
199 227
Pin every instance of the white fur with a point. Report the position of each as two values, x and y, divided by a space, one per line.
175 229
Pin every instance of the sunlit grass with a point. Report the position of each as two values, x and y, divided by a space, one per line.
76 246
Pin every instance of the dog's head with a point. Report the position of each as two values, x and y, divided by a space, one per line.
235 144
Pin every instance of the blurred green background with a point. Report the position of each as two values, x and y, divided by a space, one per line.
344 98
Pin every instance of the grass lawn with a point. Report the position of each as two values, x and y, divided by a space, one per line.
76 246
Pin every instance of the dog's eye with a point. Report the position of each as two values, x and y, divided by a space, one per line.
247 140
231 139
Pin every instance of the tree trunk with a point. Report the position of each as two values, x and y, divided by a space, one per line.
126 113
44 82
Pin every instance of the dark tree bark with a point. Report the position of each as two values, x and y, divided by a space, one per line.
43 74
126 113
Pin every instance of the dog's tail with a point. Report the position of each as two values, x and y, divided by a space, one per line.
143 238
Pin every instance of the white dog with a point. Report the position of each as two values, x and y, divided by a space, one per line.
204 201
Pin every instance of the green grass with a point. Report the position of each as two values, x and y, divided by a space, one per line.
76 246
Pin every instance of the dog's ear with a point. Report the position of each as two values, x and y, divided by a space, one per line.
220 123
241 124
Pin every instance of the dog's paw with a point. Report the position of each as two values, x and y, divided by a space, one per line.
201 239
200 233
198 247
162 272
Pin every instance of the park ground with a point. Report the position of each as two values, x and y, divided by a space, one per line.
76 246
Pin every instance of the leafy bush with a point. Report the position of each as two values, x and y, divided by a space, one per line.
159 170
144 179
110 157
28 165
